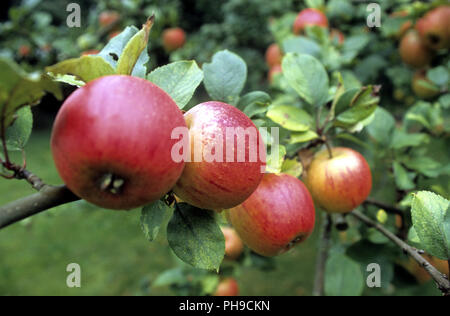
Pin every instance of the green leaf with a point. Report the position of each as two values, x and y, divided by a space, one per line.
19 132
424 165
254 103
438 75
303 137
225 76
292 167
306 75
195 237
133 50
179 79
403 179
85 68
170 277
401 139
431 222
290 117
301 45
17 89
343 276
275 160
412 236
152 217
382 126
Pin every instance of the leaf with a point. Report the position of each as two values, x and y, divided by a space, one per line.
306 75
152 217
179 79
17 89
170 277
85 68
254 103
301 45
133 49
195 237
275 160
290 117
431 221
292 167
401 139
438 75
19 132
382 126
303 137
225 76
343 277
424 165
412 236
403 179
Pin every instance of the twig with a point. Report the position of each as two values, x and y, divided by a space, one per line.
322 257
439 278
386 207
48 197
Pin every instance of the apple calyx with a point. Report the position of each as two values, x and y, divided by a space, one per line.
111 183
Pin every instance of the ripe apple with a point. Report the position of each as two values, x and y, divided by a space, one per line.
107 18
224 167
173 39
276 217
233 243
111 142
338 35
434 28
273 71
309 17
273 55
227 287
423 87
413 51
341 183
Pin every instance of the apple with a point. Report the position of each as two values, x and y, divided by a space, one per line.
106 18
276 217
341 183
434 28
224 167
419 272
413 51
274 71
309 17
24 50
423 87
111 142
273 55
233 243
227 287
173 39
338 35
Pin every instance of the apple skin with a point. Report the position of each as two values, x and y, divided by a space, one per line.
413 51
273 71
341 183
121 126
309 17
423 87
173 39
273 55
218 185
277 216
434 28
227 287
233 243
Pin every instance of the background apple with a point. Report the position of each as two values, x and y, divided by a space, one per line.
173 39
277 216
106 18
111 142
413 51
434 28
273 55
338 35
227 287
233 243
423 87
341 183
218 185
309 17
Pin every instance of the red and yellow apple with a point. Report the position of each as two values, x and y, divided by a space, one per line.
227 287
173 39
341 183
309 17
413 51
226 160
233 243
276 217
273 55
111 142
434 28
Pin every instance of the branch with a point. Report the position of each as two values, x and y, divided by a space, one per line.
386 207
322 257
48 197
439 278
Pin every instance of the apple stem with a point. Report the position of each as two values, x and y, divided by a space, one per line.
111 183
330 153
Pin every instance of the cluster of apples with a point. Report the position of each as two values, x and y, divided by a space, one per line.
420 42
305 18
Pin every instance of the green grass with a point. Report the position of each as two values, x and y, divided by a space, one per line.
114 255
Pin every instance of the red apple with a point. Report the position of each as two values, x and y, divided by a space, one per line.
273 71
273 55
309 17
233 243
111 142
224 168
423 87
107 18
413 51
276 217
227 287
341 183
338 35
173 38
434 28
